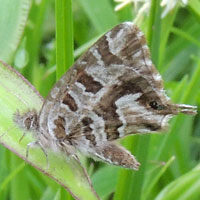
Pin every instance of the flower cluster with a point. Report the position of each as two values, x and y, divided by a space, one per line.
143 6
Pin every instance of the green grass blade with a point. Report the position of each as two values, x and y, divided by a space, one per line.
104 180
5 183
33 41
14 14
194 7
167 23
101 14
183 188
185 35
125 176
64 36
18 182
157 176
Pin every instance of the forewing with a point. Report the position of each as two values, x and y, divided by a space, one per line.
108 92
126 86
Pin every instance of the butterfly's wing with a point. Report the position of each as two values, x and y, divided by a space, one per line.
113 90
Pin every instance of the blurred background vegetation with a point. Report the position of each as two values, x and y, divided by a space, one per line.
170 166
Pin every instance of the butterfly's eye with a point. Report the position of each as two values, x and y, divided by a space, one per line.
27 123
156 106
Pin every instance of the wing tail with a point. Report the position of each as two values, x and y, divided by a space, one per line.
116 155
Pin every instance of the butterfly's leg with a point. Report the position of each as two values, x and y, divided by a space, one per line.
37 144
46 155
22 137
30 145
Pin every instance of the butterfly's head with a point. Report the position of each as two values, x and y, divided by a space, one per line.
27 121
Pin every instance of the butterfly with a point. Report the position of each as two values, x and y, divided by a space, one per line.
112 91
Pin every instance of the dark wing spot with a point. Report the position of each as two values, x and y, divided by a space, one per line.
107 57
69 101
112 131
87 129
86 121
91 138
88 82
60 128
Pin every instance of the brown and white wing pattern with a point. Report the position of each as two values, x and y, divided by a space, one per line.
113 90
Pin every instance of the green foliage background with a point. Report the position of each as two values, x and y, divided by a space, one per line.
170 161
